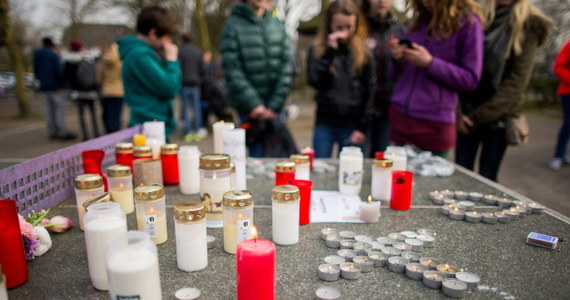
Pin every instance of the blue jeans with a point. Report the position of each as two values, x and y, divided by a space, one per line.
493 144
564 134
190 96
112 108
325 136
54 104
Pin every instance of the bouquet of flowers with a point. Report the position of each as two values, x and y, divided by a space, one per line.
35 235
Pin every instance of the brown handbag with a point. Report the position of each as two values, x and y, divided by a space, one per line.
517 131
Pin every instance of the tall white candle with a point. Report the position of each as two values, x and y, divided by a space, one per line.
188 166
234 146
191 237
350 170
381 185
219 128
285 212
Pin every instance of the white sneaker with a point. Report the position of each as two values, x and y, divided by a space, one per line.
555 164
203 133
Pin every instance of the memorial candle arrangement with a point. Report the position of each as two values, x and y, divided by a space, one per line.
169 162
285 212
238 218
214 182
121 186
255 269
124 154
188 167
147 171
284 172
102 221
381 185
132 264
234 146
12 255
87 186
302 166
350 170
191 237
219 128
151 212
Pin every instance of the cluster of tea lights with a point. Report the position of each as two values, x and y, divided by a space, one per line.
399 251
460 205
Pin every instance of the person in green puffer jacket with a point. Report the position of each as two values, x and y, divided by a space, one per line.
151 80
256 57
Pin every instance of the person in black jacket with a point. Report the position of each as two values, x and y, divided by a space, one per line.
341 69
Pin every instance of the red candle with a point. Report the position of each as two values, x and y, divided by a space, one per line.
284 172
92 160
255 269
305 189
124 154
311 153
169 160
12 256
402 186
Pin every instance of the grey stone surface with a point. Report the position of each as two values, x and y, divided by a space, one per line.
496 252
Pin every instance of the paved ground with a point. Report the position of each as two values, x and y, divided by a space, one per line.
524 168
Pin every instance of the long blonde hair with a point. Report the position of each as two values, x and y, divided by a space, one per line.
520 12
356 43
447 16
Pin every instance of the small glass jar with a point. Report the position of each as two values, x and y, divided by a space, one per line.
214 182
87 186
285 210
102 221
124 154
120 183
350 170
147 171
151 212
101 198
169 159
189 163
238 218
142 152
191 237
284 172
132 267
302 166
381 185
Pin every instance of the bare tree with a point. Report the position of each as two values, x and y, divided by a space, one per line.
75 11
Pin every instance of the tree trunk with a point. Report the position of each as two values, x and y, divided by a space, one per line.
202 26
16 58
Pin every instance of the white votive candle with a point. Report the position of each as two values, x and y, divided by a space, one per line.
188 168
285 212
191 237
370 211
219 128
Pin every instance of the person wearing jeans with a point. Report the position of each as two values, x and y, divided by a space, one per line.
112 92
191 103
192 67
562 70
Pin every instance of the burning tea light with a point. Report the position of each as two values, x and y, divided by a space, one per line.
386 241
475 196
513 213
503 217
434 194
489 218
448 193
454 288
402 246
379 258
536 208
426 231
347 234
438 199
366 263
449 201
447 269
416 244
430 263
456 214
412 257
327 293
391 251
397 264
472 217
397 236
329 272
333 241
327 231
445 209
347 244
363 238
461 195
466 205
490 199
410 234
362 248
433 279
504 202
350 271
334 260
415 271
347 254
376 246
428 240
472 280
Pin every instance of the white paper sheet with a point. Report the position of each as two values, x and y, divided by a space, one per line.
334 207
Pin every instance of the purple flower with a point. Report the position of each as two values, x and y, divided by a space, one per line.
29 246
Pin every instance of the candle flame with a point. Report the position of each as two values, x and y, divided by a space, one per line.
253 232
369 198
221 121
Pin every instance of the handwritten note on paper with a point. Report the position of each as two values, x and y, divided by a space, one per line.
334 207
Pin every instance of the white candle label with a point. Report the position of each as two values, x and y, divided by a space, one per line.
243 230
137 297
352 177
150 227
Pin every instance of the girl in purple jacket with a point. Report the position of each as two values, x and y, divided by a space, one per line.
440 55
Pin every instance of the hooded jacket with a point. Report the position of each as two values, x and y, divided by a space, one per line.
150 83
562 70
256 57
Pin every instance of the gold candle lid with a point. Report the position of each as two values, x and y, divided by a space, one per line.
214 161
169 149
149 193
189 212
383 163
285 193
124 148
118 171
142 151
105 197
237 198
88 181
285 166
299 158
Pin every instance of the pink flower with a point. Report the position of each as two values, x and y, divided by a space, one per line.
27 229
60 224
44 222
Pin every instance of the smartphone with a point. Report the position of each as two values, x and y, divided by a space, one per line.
406 42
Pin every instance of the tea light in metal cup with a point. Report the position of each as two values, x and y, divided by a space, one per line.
449 201
475 196
328 272
188 293
503 217
430 263
504 202
434 194
512 213
522 210
445 209
386 240
536 208
415 271
347 254
412 257
347 234
391 251
334 260
397 264
490 199
417 245
489 218
366 263
518 202
350 270
397 236
363 238
454 288
448 270
448 193
438 199
456 214
211 241
427 239
346 244
461 195
402 246
362 248
472 217
472 280
378 257
333 241
467 205
433 279
376 246
327 293
327 231
426 231
410 234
